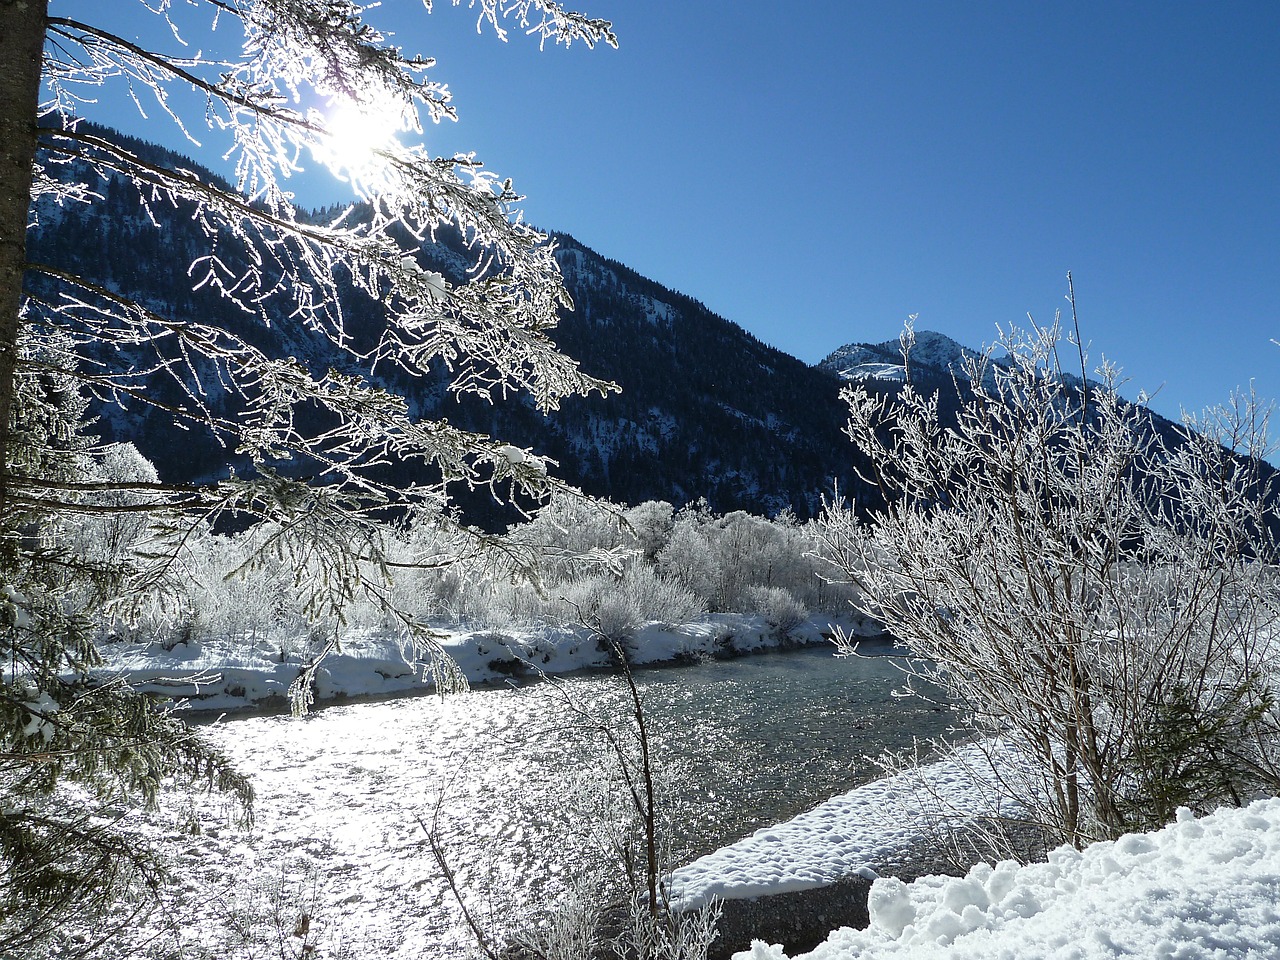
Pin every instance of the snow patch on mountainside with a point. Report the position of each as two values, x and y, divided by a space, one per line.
658 311
932 350
874 371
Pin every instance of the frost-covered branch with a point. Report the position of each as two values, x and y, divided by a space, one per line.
89 534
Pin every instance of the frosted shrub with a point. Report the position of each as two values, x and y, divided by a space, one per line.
227 590
1100 596
652 524
455 593
833 558
748 552
572 930
616 615
671 935
597 601
687 558
623 604
659 598
802 570
228 600
780 609
573 534
504 603
723 559
737 564
109 538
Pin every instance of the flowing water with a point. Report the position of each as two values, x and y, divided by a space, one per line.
504 779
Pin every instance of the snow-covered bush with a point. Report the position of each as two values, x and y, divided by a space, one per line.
687 556
109 537
1099 594
659 598
726 559
591 560
780 609
651 523
228 600
617 607
573 534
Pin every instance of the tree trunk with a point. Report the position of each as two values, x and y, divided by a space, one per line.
22 26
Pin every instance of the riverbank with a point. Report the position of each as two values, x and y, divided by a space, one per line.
872 875
792 883
241 674
1198 889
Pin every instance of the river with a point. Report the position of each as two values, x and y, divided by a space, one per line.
504 776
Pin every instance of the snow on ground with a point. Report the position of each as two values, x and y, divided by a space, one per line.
1205 889
230 674
855 833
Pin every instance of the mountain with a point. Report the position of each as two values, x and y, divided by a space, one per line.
936 361
707 410
883 361
937 366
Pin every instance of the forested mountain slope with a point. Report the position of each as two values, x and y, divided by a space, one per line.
707 410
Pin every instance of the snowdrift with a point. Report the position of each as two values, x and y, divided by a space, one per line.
1200 889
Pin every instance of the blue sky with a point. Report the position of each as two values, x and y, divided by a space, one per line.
818 171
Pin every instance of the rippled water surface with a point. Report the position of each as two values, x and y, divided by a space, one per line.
348 794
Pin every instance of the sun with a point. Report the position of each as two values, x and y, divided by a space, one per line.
356 138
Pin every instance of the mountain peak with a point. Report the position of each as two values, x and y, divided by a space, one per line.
883 361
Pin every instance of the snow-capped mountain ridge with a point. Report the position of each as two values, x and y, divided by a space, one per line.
935 353
884 361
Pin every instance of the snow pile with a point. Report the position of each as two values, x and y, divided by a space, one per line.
1196 890
855 833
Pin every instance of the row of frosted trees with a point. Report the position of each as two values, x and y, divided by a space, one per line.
613 567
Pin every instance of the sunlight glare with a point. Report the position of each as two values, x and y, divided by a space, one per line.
356 134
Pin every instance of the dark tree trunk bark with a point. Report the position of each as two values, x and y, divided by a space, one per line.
22 26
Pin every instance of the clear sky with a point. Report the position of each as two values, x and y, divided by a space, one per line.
817 171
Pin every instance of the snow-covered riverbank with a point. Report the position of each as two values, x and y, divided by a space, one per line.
240 673
1199 889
